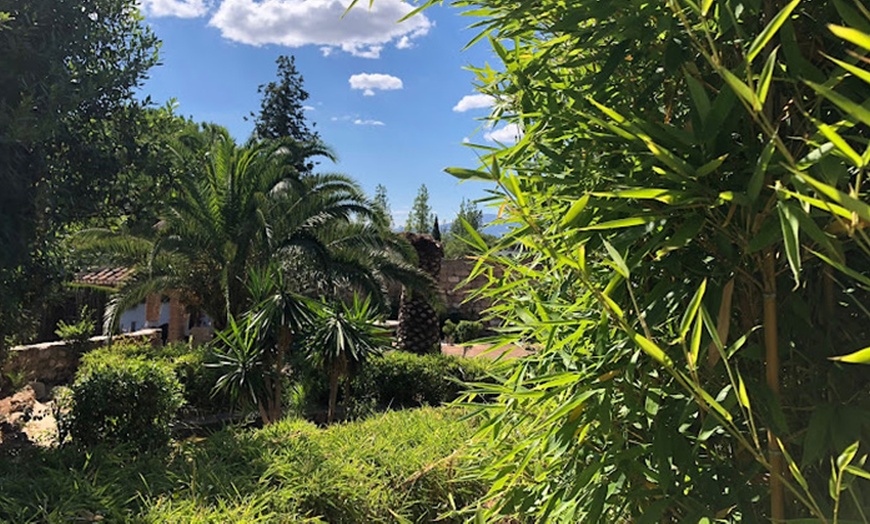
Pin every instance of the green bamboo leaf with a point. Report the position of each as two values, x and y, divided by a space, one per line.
470 174
699 96
614 307
844 269
710 401
742 396
792 466
757 180
849 34
619 262
832 208
862 356
849 107
741 89
764 37
863 74
858 472
662 195
705 6
840 143
692 311
652 349
766 76
851 203
791 238
619 224
711 166
847 456
695 345
576 208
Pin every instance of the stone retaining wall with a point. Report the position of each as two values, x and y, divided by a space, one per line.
56 362
453 273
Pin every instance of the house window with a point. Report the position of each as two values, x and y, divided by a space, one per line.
132 326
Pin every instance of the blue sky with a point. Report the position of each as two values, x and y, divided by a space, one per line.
392 99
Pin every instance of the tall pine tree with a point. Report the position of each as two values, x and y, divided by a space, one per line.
282 109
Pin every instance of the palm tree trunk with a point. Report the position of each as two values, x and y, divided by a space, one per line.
771 347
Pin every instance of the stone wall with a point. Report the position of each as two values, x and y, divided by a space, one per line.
56 362
453 273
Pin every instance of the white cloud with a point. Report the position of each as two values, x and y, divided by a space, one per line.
466 140
308 108
179 8
369 82
361 122
507 133
362 32
470 102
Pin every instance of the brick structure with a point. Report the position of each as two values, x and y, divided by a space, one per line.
454 295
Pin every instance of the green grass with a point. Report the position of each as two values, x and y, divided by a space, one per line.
396 467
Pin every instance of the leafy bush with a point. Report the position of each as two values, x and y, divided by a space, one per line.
468 330
188 363
123 400
400 379
397 467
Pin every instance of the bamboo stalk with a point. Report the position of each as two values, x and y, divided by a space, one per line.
771 349
723 324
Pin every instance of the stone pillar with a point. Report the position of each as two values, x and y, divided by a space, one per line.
177 325
152 310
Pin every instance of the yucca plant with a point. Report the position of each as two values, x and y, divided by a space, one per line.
345 335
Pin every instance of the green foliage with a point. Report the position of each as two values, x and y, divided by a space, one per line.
420 217
394 467
448 330
687 173
66 107
459 242
399 379
467 331
122 400
382 207
79 332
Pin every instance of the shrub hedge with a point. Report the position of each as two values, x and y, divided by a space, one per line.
124 400
399 379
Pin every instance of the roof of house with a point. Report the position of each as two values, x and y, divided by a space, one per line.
108 277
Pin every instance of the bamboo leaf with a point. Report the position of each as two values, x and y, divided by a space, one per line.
849 107
742 396
862 356
766 76
858 472
792 466
619 262
847 456
849 34
851 203
576 208
840 143
764 37
470 174
711 166
705 6
741 89
619 224
757 180
695 346
791 238
863 74
652 349
692 311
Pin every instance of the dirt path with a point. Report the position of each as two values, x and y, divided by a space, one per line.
24 422
482 350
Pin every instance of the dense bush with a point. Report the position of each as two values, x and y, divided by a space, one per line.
190 365
124 400
398 467
400 379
